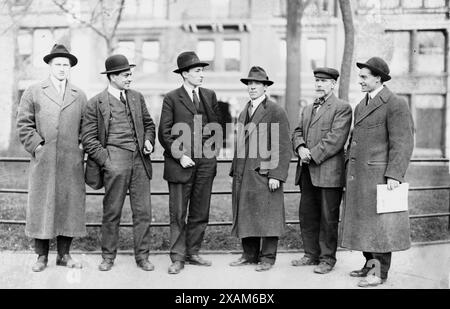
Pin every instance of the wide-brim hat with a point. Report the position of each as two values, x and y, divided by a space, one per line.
117 63
59 50
188 60
257 74
378 66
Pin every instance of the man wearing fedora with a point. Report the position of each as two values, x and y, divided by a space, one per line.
379 152
319 142
259 169
119 135
189 175
48 124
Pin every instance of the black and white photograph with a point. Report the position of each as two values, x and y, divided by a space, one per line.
225 150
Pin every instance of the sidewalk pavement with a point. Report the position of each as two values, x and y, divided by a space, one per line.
423 266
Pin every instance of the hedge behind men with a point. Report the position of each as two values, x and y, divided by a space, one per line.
319 143
379 153
190 178
48 124
259 169
119 134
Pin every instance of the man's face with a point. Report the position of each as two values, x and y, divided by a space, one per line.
323 86
60 68
122 80
194 77
256 89
367 81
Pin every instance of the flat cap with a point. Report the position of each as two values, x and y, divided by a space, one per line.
329 73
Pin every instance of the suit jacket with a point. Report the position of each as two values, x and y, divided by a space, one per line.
178 108
94 131
325 136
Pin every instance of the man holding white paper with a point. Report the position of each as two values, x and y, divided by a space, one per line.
379 152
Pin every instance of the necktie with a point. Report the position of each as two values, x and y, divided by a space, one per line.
317 103
122 98
196 100
61 90
250 109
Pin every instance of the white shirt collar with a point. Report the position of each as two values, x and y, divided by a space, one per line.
256 102
116 92
57 83
373 93
189 89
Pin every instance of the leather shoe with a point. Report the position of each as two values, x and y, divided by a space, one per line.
40 264
369 281
67 261
304 261
145 265
176 267
197 260
323 268
263 266
106 265
241 262
360 272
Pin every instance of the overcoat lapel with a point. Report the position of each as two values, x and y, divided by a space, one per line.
186 100
105 108
376 102
70 95
50 92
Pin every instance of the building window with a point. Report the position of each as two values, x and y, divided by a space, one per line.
206 50
429 121
150 56
231 50
430 52
317 52
146 8
43 40
434 3
128 49
390 4
401 42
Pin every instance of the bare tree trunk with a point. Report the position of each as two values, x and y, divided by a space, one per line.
293 36
347 57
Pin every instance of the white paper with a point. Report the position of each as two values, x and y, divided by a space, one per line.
392 200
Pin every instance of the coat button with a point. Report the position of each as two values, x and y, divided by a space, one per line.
353 143
351 177
353 159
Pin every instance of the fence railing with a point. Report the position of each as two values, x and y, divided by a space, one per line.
224 192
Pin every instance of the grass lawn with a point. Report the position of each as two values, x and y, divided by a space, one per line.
13 207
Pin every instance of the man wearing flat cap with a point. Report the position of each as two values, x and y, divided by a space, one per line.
379 152
48 125
319 142
118 134
189 172
259 169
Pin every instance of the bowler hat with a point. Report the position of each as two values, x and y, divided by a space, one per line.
59 50
257 74
328 73
378 66
187 60
117 63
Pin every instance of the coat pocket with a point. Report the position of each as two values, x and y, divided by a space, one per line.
377 162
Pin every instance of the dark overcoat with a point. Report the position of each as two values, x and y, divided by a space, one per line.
96 124
325 136
257 211
56 198
178 108
381 146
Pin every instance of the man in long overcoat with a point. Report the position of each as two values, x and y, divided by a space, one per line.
118 134
319 141
379 152
259 169
188 172
48 124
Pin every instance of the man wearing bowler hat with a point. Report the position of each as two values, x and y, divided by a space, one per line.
189 173
379 152
319 141
48 125
118 134
259 169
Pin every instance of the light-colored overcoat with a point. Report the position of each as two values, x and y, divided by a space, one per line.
257 212
56 198
381 146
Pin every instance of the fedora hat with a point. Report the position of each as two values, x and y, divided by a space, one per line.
59 50
378 66
187 60
257 74
117 63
